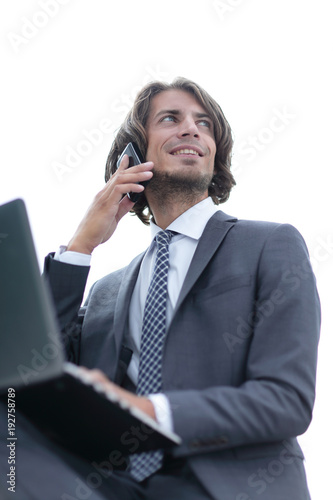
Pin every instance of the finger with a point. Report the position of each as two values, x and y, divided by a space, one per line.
126 183
125 175
95 375
99 375
124 163
133 177
120 190
125 206
135 174
123 182
148 165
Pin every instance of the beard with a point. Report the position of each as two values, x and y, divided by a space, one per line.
167 187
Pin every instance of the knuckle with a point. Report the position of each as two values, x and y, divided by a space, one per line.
97 374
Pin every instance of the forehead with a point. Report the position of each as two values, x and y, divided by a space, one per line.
175 100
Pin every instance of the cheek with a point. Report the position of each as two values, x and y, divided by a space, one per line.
156 151
152 149
213 149
150 153
213 155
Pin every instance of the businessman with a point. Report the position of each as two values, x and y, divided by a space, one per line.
212 331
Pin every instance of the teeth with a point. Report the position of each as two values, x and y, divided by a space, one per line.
186 151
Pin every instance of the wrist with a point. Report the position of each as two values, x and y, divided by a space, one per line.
77 246
143 403
148 407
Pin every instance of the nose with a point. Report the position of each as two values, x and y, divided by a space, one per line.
188 127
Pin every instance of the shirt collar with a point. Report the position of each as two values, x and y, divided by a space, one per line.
192 222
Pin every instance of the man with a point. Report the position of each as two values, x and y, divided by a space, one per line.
236 359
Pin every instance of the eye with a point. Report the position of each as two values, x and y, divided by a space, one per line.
168 118
205 123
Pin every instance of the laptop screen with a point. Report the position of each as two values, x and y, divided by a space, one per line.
30 347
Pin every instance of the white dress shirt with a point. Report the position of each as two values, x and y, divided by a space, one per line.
189 226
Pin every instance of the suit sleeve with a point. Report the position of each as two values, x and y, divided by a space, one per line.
67 284
276 399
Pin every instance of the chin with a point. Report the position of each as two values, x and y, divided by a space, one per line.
168 183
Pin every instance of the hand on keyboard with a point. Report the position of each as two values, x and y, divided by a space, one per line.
100 382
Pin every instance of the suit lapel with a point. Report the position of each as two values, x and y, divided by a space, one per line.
213 235
124 297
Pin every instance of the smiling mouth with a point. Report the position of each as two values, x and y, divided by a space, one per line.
186 152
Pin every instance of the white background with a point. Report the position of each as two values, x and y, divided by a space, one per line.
65 71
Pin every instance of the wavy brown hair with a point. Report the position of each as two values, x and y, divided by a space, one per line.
134 130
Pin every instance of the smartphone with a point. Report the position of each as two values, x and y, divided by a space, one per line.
135 158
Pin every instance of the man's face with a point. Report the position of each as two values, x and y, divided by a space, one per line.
180 133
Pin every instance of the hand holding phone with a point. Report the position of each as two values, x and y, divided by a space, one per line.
135 158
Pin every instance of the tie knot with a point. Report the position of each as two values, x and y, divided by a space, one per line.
163 238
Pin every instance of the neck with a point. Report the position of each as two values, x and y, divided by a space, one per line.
166 211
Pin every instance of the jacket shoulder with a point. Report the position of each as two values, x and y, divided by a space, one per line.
256 227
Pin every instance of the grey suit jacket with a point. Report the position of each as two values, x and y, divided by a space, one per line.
239 359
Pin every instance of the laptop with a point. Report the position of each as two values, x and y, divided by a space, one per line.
50 392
